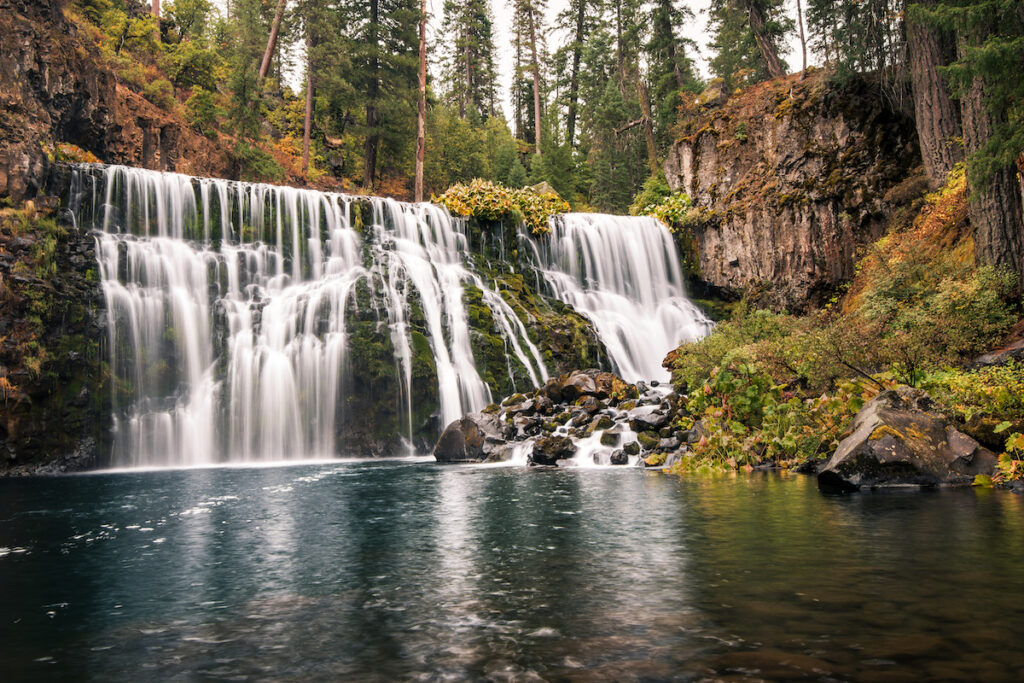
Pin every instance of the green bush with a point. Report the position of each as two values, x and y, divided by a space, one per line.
161 93
489 201
256 165
202 111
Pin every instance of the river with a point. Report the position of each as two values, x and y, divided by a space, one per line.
399 570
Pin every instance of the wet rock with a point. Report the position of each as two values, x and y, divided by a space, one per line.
550 449
578 384
648 441
611 438
632 448
544 405
655 460
619 458
603 422
652 422
895 443
513 400
669 444
552 390
470 439
589 404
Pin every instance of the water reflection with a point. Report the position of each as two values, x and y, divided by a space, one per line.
396 571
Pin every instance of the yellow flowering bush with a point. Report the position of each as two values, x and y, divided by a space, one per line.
488 201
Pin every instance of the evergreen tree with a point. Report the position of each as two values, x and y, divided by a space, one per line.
470 76
747 38
857 37
670 69
986 79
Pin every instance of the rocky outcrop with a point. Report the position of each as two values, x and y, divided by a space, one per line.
588 414
55 409
54 88
898 441
790 178
471 439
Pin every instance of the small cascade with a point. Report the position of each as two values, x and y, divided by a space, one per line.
229 302
622 273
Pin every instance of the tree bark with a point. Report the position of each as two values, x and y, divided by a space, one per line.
156 8
275 28
994 207
648 124
803 39
307 122
421 106
372 115
574 77
768 51
536 79
936 114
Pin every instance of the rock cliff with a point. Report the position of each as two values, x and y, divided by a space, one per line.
55 412
55 88
790 178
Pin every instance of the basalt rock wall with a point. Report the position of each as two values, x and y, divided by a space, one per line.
54 391
791 177
55 88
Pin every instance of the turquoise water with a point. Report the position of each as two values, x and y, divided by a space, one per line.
409 570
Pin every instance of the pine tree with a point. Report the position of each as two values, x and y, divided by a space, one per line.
670 68
469 74
986 79
747 37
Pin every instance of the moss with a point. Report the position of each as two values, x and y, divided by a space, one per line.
884 431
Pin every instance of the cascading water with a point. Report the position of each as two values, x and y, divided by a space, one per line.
230 309
623 274
227 311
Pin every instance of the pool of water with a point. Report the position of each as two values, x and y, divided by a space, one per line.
406 570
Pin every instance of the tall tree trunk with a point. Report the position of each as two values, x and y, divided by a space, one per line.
536 80
997 217
648 124
803 39
936 114
156 8
421 106
275 28
764 42
307 122
372 115
574 77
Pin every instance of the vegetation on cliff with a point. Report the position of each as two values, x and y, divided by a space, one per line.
772 387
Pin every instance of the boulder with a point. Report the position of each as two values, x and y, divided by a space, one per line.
552 390
578 384
652 422
648 441
544 405
632 448
896 443
589 404
550 449
619 458
470 439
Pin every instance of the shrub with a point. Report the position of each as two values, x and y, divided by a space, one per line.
489 201
254 164
160 92
202 112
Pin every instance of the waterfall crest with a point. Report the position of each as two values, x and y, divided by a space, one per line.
232 309
623 273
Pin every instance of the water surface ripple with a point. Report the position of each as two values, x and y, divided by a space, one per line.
411 571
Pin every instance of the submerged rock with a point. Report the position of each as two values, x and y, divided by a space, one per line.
473 438
896 442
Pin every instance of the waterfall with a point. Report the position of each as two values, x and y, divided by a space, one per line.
227 305
623 274
233 307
